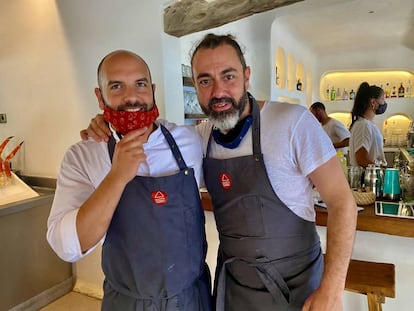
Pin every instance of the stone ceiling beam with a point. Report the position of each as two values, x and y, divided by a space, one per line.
188 16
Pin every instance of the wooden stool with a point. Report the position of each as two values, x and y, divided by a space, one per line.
376 280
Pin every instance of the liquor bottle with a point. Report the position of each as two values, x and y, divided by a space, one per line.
277 76
327 92
333 93
345 94
387 90
338 94
408 89
401 90
299 85
352 95
394 92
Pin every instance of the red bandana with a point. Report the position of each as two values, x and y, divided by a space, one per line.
126 121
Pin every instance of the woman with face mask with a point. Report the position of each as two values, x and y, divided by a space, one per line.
366 141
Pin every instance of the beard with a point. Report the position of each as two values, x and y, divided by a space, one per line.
226 120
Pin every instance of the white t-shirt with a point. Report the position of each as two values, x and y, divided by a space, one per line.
364 133
337 132
293 145
86 164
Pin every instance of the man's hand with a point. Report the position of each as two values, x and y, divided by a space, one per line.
324 300
128 155
95 214
98 130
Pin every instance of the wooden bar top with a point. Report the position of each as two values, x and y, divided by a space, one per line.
367 220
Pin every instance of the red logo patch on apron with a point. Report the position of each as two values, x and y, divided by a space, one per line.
225 181
159 197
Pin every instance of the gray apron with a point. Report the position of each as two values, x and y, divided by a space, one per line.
154 252
268 258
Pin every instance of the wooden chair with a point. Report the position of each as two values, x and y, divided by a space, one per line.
374 279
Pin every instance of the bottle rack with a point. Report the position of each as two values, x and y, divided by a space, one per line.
388 80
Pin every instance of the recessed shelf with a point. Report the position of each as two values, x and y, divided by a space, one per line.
351 80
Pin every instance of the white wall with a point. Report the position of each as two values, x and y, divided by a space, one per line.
253 35
49 52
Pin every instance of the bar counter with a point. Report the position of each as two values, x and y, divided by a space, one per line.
367 220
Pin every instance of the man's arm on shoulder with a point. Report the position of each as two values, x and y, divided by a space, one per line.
98 130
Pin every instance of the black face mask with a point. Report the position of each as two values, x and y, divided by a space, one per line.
381 109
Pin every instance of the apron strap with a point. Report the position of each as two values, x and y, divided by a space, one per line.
170 140
174 148
274 283
221 286
257 150
271 278
111 146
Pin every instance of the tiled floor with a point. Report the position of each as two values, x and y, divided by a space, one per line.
74 301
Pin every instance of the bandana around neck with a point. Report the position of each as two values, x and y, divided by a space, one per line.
126 121
234 137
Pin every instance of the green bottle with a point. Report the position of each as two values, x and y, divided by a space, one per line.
333 93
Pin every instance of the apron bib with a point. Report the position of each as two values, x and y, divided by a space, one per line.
154 252
269 258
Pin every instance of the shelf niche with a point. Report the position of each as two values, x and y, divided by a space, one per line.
351 80
280 68
291 77
300 75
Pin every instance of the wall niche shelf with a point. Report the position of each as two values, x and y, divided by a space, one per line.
347 81
288 71
300 76
280 69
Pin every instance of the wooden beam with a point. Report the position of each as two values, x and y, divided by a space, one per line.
188 16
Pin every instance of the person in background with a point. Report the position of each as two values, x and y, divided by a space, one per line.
260 166
335 129
138 194
366 142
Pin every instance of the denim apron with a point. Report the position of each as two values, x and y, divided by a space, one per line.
154 252
269 258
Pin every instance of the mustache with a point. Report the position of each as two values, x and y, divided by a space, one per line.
216 100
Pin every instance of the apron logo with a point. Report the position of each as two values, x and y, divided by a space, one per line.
225 181
159 197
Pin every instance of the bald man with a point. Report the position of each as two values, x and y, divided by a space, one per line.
138 195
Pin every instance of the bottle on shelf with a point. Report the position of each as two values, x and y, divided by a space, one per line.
345 94
394 92
352 94
387 90
338 94
333 93
328 92
299 85
408 89
401 90
277 76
